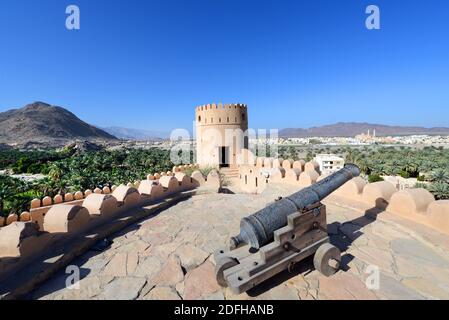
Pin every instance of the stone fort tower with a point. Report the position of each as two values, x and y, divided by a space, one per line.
221 134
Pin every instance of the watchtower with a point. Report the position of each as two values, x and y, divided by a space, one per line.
221 134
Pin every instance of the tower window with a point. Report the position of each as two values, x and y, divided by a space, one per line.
219 120
211 120
243 117
199 118
228 119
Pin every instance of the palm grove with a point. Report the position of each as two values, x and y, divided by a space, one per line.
68 170
429 165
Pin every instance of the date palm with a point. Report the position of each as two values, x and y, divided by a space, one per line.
440 190
440 176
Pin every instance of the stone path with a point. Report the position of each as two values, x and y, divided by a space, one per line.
170 257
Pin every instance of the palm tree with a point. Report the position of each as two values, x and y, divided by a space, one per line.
7 190
440 176
440 190
411 166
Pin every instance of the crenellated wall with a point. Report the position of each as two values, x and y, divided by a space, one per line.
61 218
418 205
255 176
39 207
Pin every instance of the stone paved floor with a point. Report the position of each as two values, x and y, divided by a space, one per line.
170 257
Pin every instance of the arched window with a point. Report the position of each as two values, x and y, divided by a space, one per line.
199 118
228 119
243 117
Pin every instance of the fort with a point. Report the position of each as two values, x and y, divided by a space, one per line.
164 230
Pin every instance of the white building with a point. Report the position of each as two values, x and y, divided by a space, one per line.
329 163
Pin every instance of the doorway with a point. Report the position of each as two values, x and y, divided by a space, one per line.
224 157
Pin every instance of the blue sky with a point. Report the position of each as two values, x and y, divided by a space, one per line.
147 64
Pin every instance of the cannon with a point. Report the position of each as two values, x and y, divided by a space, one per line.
282 234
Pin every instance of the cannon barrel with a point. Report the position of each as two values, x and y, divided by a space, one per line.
258 229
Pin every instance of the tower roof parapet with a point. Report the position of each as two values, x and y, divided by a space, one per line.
215 106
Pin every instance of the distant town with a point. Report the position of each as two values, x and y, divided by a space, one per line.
369 139
363 139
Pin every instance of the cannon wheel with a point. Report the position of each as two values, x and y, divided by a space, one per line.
222 265
327 259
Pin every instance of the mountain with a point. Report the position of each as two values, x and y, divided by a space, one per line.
135 134
40 124
351 129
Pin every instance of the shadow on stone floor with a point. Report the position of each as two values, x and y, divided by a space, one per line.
58 280
226 190
342 235
341 238
304 267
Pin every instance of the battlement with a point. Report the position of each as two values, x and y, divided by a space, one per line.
222 114
73 225
221 106
40 206
417 205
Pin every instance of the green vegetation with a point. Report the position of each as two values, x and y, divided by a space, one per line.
206 170
403 161
374 178
439 190
69 171
421 178
315 141
429 164
30 162
15 195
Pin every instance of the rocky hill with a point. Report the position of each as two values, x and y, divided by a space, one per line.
42 125
351 129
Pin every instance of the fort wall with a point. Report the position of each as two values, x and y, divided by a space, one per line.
53 221
417 205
